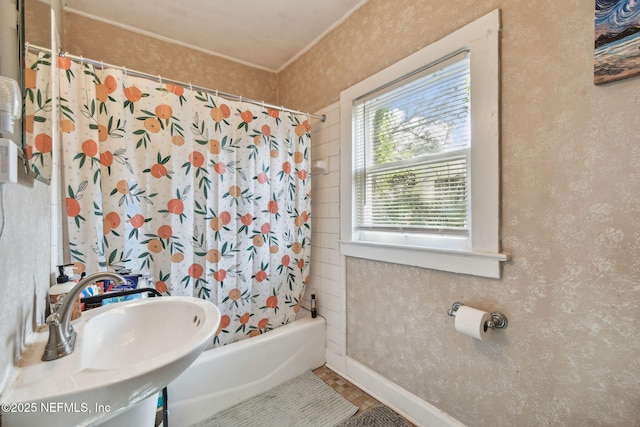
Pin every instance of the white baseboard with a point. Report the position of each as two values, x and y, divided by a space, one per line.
337 362
400 400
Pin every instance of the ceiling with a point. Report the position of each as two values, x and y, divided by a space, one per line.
267 34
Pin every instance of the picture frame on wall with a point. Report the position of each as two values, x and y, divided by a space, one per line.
617 40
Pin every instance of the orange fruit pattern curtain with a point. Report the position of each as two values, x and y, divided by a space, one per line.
211 197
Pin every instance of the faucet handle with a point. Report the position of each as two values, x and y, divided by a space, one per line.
54 318
55 307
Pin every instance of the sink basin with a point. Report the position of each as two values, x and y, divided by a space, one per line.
124 354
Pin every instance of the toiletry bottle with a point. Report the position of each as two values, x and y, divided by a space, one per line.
58 292
143 282
314 312
146 281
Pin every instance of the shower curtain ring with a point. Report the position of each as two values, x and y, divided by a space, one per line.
125 70
190 87
160 79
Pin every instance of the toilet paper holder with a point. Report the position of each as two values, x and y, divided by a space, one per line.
498 320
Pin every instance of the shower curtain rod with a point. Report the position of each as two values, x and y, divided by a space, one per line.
160 79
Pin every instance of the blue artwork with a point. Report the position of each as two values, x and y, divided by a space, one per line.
617 40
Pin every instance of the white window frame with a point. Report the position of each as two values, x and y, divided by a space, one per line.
479 254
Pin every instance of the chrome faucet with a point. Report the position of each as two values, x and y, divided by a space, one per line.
62 336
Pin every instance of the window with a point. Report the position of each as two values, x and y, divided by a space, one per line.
420 182
412 149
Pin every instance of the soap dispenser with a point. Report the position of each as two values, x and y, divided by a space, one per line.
57 292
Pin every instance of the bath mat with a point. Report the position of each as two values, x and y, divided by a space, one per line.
303 401
380 416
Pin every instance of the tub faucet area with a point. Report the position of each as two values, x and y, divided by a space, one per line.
62 336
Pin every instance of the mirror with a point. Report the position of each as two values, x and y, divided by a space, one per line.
34 28
10 58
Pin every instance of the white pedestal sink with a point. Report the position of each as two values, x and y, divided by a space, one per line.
124 354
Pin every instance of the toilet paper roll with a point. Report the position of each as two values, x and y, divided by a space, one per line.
472 322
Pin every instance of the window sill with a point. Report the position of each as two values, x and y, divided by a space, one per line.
464 262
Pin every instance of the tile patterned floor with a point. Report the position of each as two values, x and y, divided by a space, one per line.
347 390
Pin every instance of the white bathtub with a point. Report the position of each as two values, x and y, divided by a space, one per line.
227 375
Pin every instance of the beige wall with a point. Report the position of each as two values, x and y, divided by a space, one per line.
570 218
104 42
113 45
24 265
37 23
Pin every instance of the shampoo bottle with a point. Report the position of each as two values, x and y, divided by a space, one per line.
314 311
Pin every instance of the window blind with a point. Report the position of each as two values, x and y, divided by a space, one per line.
412 151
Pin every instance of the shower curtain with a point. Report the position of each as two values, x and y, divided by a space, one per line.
209 196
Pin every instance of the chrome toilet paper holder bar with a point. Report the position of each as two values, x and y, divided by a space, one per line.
498 320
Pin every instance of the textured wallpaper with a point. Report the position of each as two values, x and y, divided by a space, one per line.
37 22
24 265
570 218
104 42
